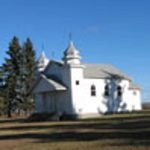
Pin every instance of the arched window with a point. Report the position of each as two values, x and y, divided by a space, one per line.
93 90
119 91
107 90
134 93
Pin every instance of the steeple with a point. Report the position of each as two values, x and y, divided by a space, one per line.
42 62
71 55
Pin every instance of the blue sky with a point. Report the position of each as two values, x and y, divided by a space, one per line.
116 32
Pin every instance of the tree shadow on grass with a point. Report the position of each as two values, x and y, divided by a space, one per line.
135 131
74 136
12 120
124 125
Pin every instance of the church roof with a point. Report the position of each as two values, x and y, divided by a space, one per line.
45 84
103 71
54 84
134 86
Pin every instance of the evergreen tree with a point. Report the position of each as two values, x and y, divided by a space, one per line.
2 94
11 71
16 77
30 61
28 65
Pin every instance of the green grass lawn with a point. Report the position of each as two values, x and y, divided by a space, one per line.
110 132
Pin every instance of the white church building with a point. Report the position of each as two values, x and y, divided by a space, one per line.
80 89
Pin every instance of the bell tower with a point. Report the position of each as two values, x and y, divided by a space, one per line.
73 77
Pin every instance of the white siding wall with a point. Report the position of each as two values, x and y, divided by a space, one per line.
38 103
134 99
66 97
84 103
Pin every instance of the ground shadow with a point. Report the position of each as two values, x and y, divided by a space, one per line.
130 130
82 136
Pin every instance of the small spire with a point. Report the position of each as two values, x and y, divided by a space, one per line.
42 61
43 55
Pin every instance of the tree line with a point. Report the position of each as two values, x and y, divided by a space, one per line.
16 76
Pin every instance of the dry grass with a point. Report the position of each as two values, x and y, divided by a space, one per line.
119 132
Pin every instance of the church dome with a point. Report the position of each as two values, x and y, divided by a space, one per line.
71 55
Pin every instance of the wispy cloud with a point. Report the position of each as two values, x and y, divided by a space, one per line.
93 29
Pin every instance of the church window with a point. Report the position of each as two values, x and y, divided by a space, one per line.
93 90
77 82
134 93
107 90
119 91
